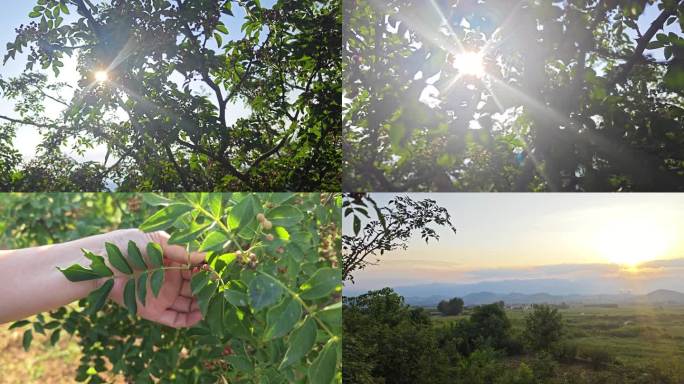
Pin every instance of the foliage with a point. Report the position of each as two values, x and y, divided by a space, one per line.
271 311
466 355
543 327
175 76
452 307
388 341
572 99
491 325
394 226
598 357
480 367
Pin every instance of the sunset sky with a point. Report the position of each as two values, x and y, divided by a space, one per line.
539 236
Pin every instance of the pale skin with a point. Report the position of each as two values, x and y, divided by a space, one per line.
31 283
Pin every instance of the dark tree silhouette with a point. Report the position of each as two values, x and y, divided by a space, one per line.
451 307
389 230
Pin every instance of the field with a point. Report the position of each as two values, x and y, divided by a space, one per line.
43 363
631 335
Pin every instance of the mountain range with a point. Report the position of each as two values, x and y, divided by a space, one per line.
661 296
529 291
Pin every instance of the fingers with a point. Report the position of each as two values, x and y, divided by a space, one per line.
179 319
185 289
182 304
177 253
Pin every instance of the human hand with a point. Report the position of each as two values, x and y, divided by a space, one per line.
174 306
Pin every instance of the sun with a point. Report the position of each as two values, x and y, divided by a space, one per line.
629 243
469 64
101 76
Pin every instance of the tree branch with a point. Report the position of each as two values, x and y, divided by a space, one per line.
642 43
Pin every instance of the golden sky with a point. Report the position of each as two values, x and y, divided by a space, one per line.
523 231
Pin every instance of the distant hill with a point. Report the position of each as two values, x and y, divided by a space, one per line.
661 296
665 296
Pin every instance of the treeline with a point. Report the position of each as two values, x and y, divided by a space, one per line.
387 341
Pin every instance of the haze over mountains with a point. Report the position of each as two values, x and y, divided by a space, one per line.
653 281
659 297
552 291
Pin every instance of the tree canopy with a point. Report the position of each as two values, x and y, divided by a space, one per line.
495 95
158 83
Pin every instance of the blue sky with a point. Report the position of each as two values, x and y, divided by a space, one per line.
509 235
15 13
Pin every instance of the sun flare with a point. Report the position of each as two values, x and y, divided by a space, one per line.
101 76
469 64
632 242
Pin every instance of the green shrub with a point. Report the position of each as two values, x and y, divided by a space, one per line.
544 366
270 300
523 375
480 367
598 357
543 327
565 351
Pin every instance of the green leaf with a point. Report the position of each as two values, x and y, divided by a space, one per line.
322 370
227 258
321 284
98 297
300 343
54 337
155 200
188 235
285 216
213 203
165 217
156 281
97 264
243 213
331 315
135 257
215 241
282 318
19 324
28 338
263 291
64 8
199 281
215 316
154 253
222 28
34 14
142 288
77 273
219 39
237 298
129 297
116 259
204 296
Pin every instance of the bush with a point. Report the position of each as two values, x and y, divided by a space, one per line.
271 299
490 326
544 366
543 327
565 351
480 367
598 357
452 307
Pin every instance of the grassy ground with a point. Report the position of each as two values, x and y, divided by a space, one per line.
633 335
41 364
